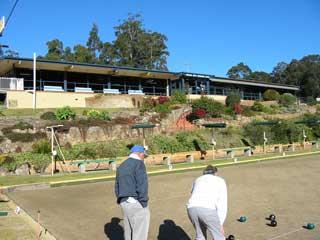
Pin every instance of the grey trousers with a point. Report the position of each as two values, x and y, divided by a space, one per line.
204 219
136 221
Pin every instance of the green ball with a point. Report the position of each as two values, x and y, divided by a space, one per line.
310 226
243 219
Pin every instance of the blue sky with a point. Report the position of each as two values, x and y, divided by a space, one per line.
204 36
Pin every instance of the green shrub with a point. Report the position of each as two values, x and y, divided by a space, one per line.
42 147
212 108
8 163
271 95
25 137
229 111
247 112
311 101
48 116
258 107
65 113
98 115
39 162
287 99
233 99
178 97
148 105
287 132
163 109
255 133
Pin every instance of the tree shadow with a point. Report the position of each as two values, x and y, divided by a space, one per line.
114 230
170 231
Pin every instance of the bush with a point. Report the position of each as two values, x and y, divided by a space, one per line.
247 111
163 99
179 97
8 163
148 104
211 107
42 147
9 133
232 99
311 101
229 111
98 115
48 116
255 133
163 109
237 109
65 113
287 99
199 113
258 107
271 95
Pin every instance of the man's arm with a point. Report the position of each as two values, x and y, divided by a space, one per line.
116 187
142 184
222 203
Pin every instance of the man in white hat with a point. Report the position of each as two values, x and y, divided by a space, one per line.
207 206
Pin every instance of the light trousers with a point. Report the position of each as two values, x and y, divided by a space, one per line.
136 221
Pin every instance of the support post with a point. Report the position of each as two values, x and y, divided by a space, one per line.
34 81
167 88
52 155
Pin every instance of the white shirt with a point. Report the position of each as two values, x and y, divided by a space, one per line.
210 191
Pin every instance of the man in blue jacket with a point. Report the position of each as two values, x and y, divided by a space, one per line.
131 188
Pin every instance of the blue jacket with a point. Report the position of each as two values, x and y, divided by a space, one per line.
132 181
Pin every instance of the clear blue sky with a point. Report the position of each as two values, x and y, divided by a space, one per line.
210 35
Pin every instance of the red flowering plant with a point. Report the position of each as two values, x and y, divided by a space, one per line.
199 113
237 109
163 99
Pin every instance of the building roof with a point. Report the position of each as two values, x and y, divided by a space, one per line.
246 82
7 63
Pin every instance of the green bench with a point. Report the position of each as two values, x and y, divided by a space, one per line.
3 214
82 163
231 151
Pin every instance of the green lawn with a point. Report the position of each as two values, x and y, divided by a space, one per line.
14 226
152 170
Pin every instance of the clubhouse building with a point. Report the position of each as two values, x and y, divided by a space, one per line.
26 83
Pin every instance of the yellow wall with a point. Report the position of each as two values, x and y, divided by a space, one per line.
23 99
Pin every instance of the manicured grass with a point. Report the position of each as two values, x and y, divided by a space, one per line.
104 175
14 226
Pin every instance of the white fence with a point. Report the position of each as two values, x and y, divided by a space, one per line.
11 83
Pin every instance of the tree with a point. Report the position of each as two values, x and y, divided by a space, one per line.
239 71
137 47
278 73
304 73
68 55
82 54
94 43
8 53
260 76
55 50
107 54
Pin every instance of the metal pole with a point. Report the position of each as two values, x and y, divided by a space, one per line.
52 155
34 81
213 144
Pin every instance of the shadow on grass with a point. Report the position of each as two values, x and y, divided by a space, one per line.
114 230
170 231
